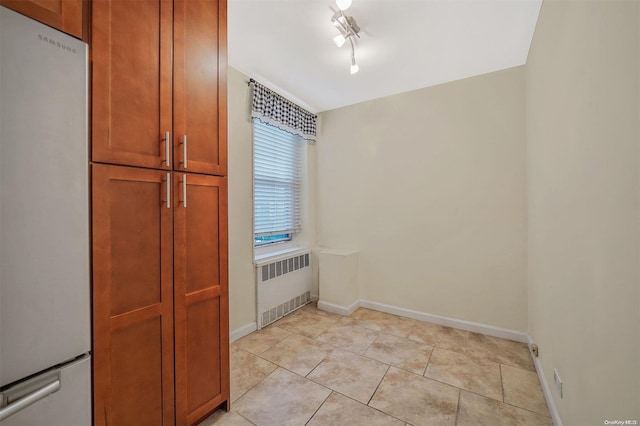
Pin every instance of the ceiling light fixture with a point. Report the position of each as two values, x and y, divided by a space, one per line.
339 40
349 30
354 67
343 4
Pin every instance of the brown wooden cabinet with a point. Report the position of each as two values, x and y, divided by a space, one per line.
199 79
160 70
201 295
131 100
160 286
65 15
132 297
159 269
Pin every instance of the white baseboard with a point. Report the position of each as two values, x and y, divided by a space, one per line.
475 327
314 298
337 309
551 403
243 331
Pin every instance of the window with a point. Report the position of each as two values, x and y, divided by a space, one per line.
276 184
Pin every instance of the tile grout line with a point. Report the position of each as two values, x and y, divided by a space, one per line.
314 368
379 383
404 336
298 374
274 345
268 360
369 406
424 374
359 354
370 344
487 397
391 364
341 348
319 406
244 417
502 383
260 381
360 402
461 389
294 372
458 407
237 343
528 410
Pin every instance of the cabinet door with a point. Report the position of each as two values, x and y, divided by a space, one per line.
201 295
132 297
200 86
65 15
131 98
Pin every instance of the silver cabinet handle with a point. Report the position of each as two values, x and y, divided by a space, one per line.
31 398
184 151
167 138
168 190
184 190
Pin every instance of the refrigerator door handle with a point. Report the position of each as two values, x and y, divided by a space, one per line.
30 399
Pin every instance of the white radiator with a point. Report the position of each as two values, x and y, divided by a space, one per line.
283 285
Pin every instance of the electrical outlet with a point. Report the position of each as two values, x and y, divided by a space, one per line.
558 381
534 349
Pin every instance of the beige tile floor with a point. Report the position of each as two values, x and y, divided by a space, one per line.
372 368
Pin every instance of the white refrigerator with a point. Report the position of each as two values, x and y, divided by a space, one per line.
45 340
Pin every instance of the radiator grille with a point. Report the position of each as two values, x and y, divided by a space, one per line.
281 267
283 286
279 311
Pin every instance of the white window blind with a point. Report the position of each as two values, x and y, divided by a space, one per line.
276 182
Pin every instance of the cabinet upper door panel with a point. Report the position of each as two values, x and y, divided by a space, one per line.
200 86
65 15
131 100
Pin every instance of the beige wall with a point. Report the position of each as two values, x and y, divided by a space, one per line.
583 191
430 187
457 249
242 293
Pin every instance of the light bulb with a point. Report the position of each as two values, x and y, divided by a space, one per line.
339 40
354 68
343 4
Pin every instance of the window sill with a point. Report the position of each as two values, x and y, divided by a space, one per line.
271 256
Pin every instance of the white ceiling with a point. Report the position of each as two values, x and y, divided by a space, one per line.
405 45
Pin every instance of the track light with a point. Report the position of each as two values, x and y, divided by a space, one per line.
354 67
348 28
340 21
345 24
343 4
339 40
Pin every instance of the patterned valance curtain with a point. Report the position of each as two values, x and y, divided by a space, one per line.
271 108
